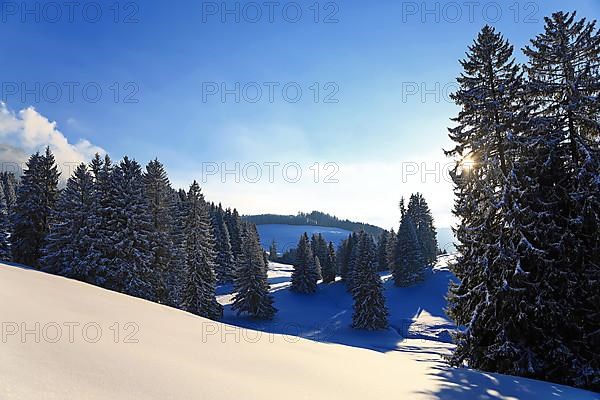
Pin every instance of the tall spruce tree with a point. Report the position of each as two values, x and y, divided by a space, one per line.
36 198
225 267
4 228
419 211
68 242
130 234
554 218
234 225
305 275
488 89
198 292
370 311
409 264
391 250
99 254
381 256
177 268
529 224
319 248
9 184
273 251
162 211
329 266
251 284
348 258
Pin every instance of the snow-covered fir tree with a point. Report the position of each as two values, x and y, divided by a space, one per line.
348 257
251 284
98 256
198 291
370 311
176 271
36 198
273 251
234 226
319 248
305 274
68 242
391 250
382 248
488 89
343 256
95 166
329 267
409 264
4 228
130 234
225 267
555 192
162 210
528 206
9 185
419 211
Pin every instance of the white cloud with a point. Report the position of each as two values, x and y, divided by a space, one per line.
28 131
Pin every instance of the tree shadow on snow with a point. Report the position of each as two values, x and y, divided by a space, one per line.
326 316
465 384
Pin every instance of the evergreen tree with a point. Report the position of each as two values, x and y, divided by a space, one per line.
305 275
318 268
348 257
4 228
391 250
68 242
177 267
162 211
528 206
370 311
319 248
130 234
329 267
409 264
488 89
382 249
273 251
198 292
99 254
251 283
225 267
36 197
96 165
554 219
234 225
418 210
9 185
564 82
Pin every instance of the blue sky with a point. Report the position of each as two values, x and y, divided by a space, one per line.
167 54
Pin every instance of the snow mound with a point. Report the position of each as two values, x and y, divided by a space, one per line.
63 339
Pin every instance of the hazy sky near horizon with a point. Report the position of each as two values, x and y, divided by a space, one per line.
242 96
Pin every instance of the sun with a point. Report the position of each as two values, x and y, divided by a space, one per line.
467 163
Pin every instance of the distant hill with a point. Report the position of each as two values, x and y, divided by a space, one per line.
286 236
315 218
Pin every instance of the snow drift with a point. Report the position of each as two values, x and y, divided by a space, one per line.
63 339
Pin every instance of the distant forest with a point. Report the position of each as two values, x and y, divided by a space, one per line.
313 218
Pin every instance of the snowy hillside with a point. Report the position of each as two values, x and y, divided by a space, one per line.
286 236
95 344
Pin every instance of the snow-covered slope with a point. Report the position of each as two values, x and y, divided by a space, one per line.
286 236
162 353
